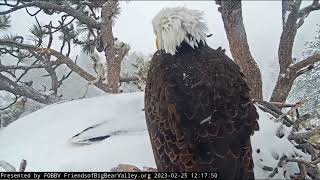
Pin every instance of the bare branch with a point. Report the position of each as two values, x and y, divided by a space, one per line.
128 79
303 171
23 165
314 171
307 147
299 120
62 24
293 109
12 103
308 9
274 111
61 8
34 14
281 105
10 5
64 77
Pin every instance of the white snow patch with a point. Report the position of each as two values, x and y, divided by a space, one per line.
269 145
43 137
46 138
286 15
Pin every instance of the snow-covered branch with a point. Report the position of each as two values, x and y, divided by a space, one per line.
307 163
303 135
26 91
304 70
306 63
9 168
300 139
60 58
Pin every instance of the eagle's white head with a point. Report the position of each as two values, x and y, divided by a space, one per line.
172 26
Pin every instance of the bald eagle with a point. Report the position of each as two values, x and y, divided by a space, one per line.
197 102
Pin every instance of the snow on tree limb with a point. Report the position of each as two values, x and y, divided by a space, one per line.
7 166
10 168
98 24
308 169
303 135
306 62
23 90
61 58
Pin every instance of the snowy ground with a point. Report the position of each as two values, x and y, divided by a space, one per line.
67 137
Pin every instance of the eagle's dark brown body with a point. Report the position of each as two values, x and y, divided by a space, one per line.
199 114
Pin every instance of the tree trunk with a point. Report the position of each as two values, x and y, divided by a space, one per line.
282 89
113 74
287 73
114 52
231 12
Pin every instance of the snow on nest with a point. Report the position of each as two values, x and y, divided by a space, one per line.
268 148
43 137
64 137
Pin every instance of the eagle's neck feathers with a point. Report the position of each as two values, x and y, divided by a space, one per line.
172 26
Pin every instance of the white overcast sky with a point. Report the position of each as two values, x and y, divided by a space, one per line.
262 20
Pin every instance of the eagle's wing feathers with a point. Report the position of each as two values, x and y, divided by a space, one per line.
200 115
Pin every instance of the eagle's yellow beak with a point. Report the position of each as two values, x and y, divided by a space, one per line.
157 43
